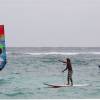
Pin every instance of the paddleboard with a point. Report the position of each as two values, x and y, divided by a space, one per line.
64 85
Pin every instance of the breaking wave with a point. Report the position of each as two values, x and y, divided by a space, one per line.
63 53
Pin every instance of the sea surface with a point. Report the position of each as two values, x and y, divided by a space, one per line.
28 69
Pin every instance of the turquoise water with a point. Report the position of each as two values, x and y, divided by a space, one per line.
28 68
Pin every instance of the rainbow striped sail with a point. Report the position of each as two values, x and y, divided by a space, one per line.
2 48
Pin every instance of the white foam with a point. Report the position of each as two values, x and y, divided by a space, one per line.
62 53
54 53
97 53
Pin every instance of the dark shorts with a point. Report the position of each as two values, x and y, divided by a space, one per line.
70 74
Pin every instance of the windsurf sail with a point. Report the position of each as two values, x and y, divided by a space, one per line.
2 48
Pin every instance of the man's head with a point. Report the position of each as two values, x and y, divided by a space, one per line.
68 60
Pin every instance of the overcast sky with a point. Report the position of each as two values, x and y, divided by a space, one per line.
68 23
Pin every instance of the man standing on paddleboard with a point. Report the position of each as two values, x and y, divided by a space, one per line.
70 70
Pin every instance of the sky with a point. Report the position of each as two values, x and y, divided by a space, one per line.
51 23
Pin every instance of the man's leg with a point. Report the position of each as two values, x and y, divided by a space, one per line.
68 80
71 80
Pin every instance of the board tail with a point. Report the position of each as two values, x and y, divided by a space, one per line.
2 48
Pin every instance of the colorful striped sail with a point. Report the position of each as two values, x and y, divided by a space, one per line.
2 48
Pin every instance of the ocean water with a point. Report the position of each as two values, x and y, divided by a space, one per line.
28 68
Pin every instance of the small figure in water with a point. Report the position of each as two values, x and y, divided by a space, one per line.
69 68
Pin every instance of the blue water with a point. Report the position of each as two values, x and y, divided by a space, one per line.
28 68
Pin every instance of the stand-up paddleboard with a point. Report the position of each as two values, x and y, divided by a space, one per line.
62 85
2 48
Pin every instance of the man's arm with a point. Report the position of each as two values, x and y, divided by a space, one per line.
62 61
64 69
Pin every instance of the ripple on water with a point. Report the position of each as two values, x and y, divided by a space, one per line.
19 93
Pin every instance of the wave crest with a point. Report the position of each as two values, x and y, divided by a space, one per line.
54 53
63 53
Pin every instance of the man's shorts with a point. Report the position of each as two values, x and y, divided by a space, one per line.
70 74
